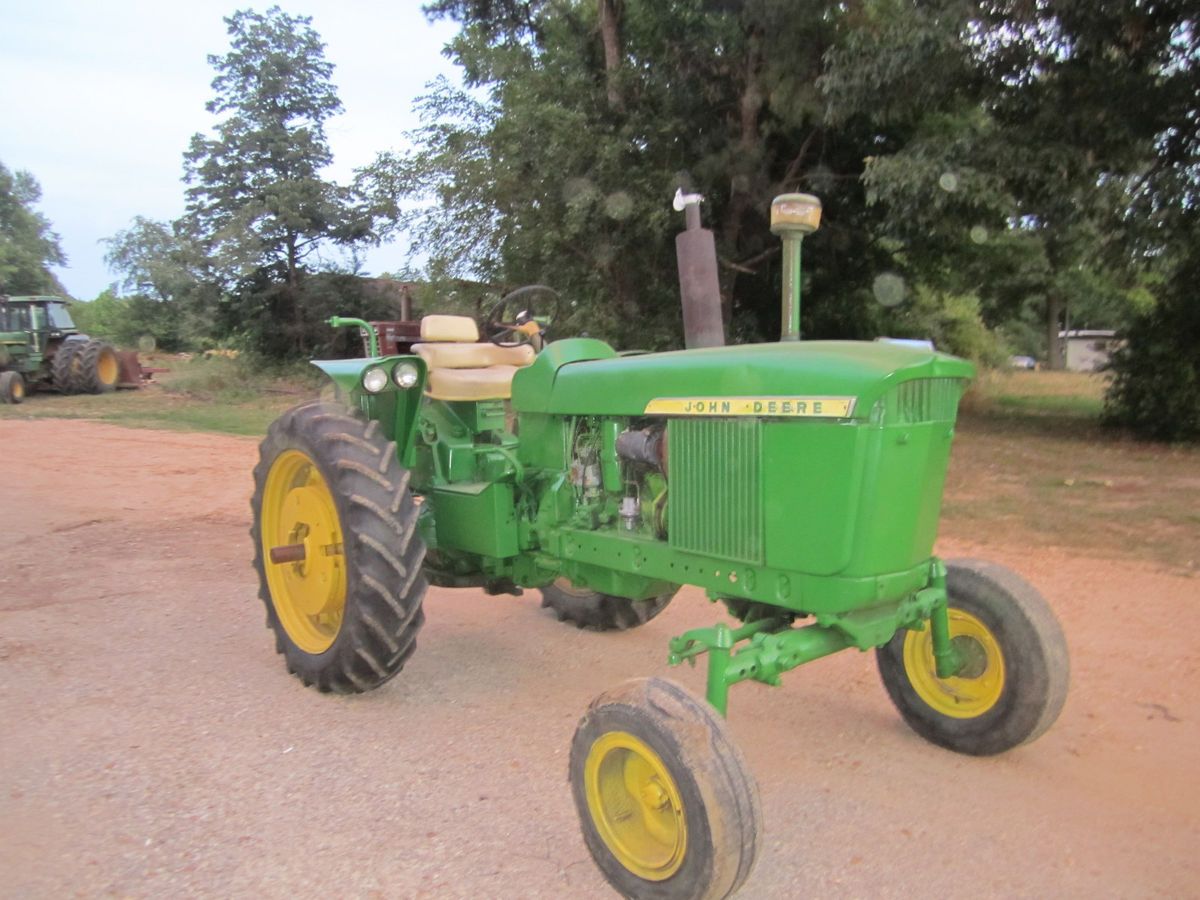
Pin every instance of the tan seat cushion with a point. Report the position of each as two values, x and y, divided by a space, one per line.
492 383
473 356
449 328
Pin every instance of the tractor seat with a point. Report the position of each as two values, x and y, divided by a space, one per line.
461 368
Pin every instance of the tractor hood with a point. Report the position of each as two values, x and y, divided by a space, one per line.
822 379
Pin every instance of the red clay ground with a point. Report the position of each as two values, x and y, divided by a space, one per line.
152 744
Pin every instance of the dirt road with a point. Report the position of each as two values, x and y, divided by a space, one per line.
152 744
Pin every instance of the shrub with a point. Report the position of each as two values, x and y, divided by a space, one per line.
1155 390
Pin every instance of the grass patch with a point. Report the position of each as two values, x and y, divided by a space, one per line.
197 394
1031 464
1071 406
1069 483
1024 394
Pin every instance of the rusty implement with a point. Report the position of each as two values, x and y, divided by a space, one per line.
132 374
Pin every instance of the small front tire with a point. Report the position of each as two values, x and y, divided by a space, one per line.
1015 665
12 387
667 805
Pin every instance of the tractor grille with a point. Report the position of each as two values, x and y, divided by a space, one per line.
715 468
925 400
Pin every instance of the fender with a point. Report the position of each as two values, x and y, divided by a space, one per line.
395 408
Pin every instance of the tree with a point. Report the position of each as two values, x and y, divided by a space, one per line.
258 207
1100 103
28 246
131 321
255 198
1156 374
943 135
580 121
152 259
161 266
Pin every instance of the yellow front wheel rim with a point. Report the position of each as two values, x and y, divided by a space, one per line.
978 686
18 390
635 805
298 510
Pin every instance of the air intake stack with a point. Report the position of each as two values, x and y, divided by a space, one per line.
792 217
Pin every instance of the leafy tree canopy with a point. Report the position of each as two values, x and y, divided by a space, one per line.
28 245
943 137
256 198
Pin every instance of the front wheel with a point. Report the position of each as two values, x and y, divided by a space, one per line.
1015 669
336 548
585 608
12 387
665 799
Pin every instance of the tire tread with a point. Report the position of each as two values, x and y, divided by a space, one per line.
384 551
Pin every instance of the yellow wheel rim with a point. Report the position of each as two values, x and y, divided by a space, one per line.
635 806
107 369
18 390
980 682
309 595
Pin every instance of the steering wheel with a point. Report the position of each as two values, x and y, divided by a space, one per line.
519 318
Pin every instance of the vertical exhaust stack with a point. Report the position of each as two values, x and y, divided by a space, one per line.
696 252
792 217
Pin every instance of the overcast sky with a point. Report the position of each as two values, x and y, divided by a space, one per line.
99 99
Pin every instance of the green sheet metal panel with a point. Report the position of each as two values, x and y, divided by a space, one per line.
907 457
814 473
577 383
476 517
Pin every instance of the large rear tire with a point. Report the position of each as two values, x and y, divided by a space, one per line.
336 548
62 367
585 608
666 801
96 368
1015 673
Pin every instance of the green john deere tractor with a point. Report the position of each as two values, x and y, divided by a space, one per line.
797 482
40 346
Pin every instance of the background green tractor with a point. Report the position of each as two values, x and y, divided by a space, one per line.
41 347
799 483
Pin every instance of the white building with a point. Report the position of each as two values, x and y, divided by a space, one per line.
1088 351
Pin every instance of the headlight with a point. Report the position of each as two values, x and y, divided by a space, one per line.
375 380
405 375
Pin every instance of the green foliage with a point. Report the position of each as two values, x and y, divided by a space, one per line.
1021 166
28 246
952 321
256 198
271 321
559 162
910 120
1156 375
170 281
1055 137
237 268
133 322
152 259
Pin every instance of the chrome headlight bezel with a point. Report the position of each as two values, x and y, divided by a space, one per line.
406 375
375 379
